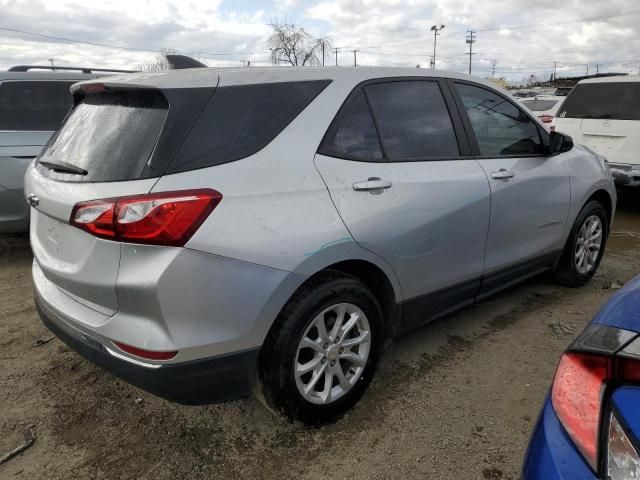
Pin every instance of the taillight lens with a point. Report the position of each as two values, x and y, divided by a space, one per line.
166 218
577 399
546 118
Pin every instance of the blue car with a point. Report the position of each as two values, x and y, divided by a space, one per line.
589 427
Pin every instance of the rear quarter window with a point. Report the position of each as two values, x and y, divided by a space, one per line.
34 105
616 101
241 120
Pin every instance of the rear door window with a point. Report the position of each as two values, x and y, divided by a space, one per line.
241 120
615 101
501 128
34 105
413 120
110 135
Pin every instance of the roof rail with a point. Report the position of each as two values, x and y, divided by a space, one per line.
26 68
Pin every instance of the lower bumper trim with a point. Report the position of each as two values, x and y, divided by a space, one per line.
198 382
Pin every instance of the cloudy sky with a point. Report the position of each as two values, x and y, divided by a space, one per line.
523 37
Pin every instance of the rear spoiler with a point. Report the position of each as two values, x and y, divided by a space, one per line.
179 62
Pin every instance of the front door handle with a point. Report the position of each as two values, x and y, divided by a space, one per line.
503 174
373 185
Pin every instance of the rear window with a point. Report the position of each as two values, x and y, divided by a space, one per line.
241 120
34 105
110 135
616 101
539 105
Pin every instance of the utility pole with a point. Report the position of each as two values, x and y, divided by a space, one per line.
322 43
555 74
471 39
597 68
435 31
336 50
587 69
355 57
493 68
431 64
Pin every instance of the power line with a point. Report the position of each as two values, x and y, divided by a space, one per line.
119 47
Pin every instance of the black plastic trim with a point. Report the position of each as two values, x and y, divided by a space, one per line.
198 382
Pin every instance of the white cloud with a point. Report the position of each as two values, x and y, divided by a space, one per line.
525 37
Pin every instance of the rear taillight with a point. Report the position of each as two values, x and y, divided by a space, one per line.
166 218
546 118
577 399
578 391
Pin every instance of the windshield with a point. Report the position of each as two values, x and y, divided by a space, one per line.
616 101
539 105
110 135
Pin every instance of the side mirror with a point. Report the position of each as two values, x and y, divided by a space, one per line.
559 143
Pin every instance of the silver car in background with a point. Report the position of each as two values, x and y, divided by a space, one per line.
33 103
203 233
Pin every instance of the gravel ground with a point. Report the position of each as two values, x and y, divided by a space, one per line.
455 399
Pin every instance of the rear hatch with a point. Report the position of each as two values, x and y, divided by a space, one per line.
606 118
103 150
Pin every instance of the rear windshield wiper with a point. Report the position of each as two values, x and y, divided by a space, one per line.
63 167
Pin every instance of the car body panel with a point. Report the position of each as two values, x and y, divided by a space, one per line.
434 218
622 309
529 211
551 454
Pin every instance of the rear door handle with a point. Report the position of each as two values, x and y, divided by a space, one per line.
503 174
373 185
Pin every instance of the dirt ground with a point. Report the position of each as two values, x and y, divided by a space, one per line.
456 399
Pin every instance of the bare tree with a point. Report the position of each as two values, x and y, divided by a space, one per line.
292 44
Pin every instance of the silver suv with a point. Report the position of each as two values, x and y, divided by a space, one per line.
34 100
204 232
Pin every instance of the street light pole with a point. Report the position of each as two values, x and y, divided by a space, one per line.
435 31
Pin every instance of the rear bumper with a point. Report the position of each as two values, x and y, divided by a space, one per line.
625 174
209 380
551 454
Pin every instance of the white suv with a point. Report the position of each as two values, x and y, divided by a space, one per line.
604 115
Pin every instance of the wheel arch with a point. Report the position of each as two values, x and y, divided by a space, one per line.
603 197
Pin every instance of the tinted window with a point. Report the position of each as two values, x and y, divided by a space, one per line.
539 105
500 127
617 101
239 121
34 105
111 135
353 135
413 120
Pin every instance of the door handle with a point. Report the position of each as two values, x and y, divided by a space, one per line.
373 185
503 174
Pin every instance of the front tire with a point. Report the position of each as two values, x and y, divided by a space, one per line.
585 246
323 350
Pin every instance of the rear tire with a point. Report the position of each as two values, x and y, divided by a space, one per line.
585 246
338 364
